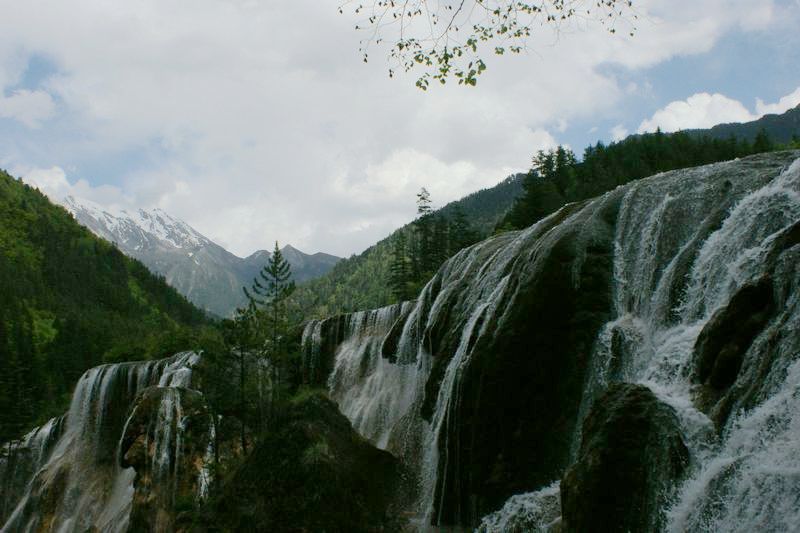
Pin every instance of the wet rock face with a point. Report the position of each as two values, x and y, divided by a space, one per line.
318 358
310 472
746 346
519 397
166 442
722 344
631 456
20 460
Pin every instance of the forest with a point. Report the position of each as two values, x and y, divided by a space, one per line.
71 301
396 268
557 177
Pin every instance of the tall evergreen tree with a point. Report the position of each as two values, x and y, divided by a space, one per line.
762 142
267 297
440 241
461 232
423 258
400 272
556 177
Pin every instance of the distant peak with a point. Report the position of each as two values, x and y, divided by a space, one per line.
124 225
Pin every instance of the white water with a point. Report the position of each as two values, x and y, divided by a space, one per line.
83 469
532 512
674 266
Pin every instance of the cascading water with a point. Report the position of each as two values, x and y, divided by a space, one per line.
19 461
686 283
671 252
79 482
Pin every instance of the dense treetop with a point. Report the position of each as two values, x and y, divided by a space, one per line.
558 178
363 281
70 301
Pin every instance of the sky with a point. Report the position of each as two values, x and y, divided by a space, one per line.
257 121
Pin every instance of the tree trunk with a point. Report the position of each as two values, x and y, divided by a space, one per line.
241 400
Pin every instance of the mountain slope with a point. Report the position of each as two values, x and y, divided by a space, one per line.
781 128
508 373
203 271
69 300
362 281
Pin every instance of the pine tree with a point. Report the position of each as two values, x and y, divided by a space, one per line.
440 241
423 261
400 274
461 232
762 142
267 297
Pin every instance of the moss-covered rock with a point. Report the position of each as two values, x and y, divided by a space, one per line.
721 346
631 455
518 399
310 472
20 460
746 347
166 442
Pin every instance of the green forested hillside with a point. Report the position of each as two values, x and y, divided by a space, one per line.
558 177
68 301
782 129
363 281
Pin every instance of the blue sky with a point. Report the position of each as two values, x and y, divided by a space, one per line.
257 121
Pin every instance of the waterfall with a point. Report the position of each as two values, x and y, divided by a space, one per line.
19 461
686 283
680 246
79 482
525 513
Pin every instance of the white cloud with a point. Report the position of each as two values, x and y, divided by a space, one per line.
781 106
29 107
51 181
618 132
257 120
54 183
703 110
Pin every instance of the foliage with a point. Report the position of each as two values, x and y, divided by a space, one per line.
251 365
69 301
310 472
435 238
266 314
782 129
364 281
443 37
558 178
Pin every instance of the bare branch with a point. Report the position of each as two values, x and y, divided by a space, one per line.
442 38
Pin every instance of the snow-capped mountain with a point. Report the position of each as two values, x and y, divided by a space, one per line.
202 270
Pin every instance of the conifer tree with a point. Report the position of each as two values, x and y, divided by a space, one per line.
461 232
423 257
762 142
267 297
400 273
440 241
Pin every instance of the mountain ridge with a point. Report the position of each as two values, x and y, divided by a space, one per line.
205 272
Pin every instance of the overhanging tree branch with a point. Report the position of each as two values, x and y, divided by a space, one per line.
444 38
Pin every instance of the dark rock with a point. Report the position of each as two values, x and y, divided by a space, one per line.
518 399
318 359
631 455
721 346
310 472
166 442
20 460
730 332
771 348
389 347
